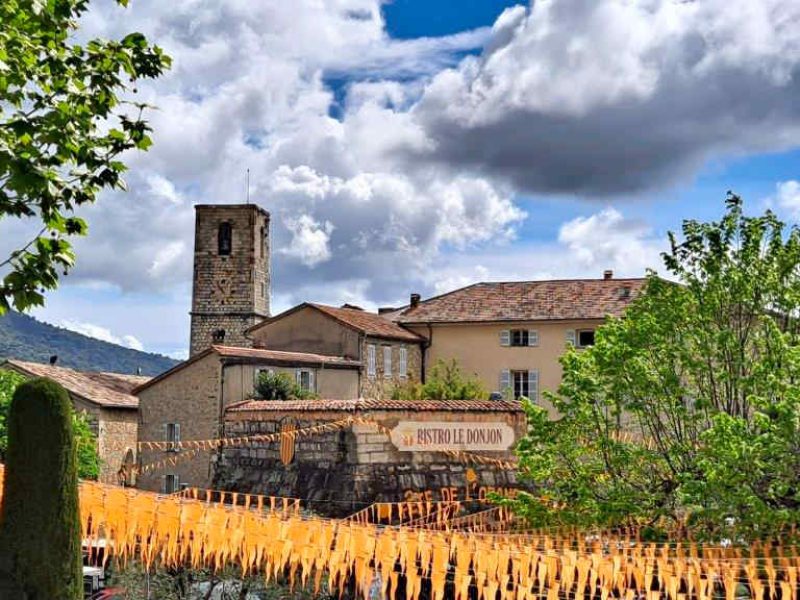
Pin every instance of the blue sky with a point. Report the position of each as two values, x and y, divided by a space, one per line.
419 146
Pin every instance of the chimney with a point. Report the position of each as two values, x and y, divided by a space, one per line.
414 302
608 274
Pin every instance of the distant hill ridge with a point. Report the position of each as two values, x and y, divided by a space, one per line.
25 338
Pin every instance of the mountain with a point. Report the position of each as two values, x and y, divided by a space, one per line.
25 338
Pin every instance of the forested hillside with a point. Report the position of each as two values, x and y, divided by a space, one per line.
25 338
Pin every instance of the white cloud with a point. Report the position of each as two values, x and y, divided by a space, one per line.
608 239
618 96
787 197
309 240
103 333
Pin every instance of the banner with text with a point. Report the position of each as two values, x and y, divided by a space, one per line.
429 436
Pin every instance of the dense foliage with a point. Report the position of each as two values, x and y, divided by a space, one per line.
85 439
686 411
445 381
40 542
64 123
25 338
280 386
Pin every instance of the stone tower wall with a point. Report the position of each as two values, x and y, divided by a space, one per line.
230 292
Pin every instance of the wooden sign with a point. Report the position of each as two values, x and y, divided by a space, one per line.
431 436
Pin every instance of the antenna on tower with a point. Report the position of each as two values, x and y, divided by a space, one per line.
248 186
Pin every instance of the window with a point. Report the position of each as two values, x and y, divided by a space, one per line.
585 338
371 360
402 367
519 337
260 371
305 379
172 435
172 483
387 361
519 380
224 239
520 383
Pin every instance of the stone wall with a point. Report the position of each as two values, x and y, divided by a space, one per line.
191 398
381 386
117 433
342 471
230 292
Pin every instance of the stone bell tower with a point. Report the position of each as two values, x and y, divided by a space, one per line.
231 285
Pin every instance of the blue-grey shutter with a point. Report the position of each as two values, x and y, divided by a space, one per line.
312 382
533 385
505 337
505 381
177 436
533 337
571 337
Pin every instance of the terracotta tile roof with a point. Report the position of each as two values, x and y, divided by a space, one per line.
362 404
368 323
110 390
527 301
282 356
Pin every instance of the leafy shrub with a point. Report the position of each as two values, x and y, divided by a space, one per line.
280 386
444 382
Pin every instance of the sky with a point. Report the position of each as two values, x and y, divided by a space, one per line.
418 146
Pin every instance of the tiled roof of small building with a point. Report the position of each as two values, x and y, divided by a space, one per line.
110 390
283 356
560 300
363 404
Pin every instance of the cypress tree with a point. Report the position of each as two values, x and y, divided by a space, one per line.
40 544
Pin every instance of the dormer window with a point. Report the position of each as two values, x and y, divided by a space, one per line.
224 239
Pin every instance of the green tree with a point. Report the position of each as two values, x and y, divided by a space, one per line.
686 410
85 439
445 381
63 124
40 542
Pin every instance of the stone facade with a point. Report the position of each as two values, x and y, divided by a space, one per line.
338 472
117 431
191 398
380 385
231 290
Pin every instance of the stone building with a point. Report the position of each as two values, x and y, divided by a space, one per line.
108 401
188 402
389 354
388 456
231 285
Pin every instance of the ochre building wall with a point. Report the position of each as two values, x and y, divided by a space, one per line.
308 330
476 347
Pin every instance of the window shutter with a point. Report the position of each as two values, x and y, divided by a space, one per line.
298 377
403 360
371 360
164 484
505 380
533 385
533 337
312 383
505 337
571 337
177 435
387 361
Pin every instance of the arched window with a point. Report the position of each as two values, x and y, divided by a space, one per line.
224 239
